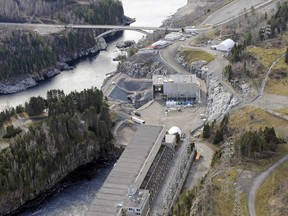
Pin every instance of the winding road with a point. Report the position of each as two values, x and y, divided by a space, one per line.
259 180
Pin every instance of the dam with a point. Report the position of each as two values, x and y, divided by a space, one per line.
134 182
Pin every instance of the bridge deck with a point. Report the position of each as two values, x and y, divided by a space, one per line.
131 168
61 26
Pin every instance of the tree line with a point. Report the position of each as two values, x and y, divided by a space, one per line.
77 130
277 23
253 143
249 144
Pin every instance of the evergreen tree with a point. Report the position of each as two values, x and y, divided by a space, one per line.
218 137
228 72
35 106
206 131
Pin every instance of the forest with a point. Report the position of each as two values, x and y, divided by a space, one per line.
23 51
76 131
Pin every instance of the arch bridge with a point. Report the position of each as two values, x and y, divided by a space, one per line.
109 28
116 30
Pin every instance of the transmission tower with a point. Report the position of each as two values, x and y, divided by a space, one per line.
194 206
237 209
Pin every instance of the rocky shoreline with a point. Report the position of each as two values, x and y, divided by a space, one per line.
24 82
86 171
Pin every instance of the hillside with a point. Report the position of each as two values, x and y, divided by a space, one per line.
252 138
76 131
29 57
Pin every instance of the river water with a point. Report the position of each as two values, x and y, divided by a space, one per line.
74 199
90 73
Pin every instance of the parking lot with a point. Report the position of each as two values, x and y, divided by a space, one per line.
187 118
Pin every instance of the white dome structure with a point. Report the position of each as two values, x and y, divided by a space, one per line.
226 45
174 130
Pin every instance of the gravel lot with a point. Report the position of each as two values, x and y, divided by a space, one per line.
186 119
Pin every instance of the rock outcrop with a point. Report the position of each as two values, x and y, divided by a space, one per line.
194 67
125 44
13 86
220 101
144 65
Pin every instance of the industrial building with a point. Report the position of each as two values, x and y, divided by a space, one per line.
136 177
134 182
177 88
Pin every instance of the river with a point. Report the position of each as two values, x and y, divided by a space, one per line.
91 72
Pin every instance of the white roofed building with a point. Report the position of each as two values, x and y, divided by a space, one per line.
160 44
225 46
174 130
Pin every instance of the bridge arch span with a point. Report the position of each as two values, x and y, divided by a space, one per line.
116 30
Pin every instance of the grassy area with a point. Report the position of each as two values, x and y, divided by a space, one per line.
267 56
224 196
283 111
267 191
278 78
253 118
277 86
229 176
193 55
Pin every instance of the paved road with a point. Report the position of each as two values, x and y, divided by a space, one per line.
90 26
234 10
259 180
261 90
167 57
264 101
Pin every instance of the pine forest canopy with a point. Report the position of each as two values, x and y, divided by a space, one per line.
77 130
25 52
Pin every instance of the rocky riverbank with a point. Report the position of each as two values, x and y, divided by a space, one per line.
24 82
144 65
